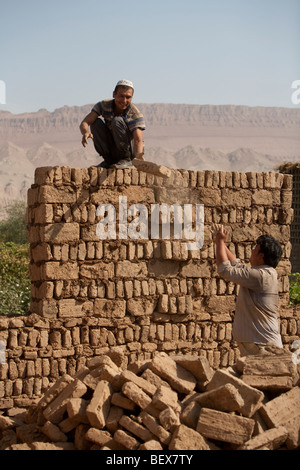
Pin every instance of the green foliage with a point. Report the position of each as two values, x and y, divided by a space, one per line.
13 228
14 279
295 288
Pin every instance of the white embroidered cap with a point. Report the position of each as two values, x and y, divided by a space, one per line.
125 83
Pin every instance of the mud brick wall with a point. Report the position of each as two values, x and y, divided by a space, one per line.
294 170
141 295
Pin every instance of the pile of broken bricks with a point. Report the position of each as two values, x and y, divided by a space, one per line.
167 403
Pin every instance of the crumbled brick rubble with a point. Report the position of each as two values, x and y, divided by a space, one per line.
166 403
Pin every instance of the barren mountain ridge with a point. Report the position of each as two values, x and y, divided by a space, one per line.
195 137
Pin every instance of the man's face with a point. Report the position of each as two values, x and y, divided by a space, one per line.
256 258
123 98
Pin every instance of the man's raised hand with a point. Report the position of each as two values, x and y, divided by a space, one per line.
219 233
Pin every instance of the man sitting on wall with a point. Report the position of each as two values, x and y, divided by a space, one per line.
256 317
116 126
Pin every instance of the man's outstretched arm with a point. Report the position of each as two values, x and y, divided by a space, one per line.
138 144
85 127
222 252
240 274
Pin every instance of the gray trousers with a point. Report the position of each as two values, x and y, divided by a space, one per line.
115 144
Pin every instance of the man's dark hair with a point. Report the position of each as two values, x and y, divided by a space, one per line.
271 249
122 86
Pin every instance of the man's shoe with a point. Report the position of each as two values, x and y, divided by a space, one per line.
103 164
122 164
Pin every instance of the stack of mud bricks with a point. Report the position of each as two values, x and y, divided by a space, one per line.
168 403
90 295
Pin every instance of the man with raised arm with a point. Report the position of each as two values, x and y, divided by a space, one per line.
116 126
255 322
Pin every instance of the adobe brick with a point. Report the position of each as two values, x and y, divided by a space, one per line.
197 365
44 175
76 408
115 358
53 432
43 214
221 426
130 269
7 422
89 233
270 439
51 194
32 198
37 445
269 383
28 433
167 268
271 365
53 270
22 446
284 411
123 438
154 379
99 270
90 381
98 408
169 419
190 414
135 428
237 198
55 390
141 307
151 445
113 418
165 397
179 378
55 410
251 396
109 374
80 442
74 308
280 410
293 439
224 398
136 394
196 269
67 425
60 233
41 252
185 438
154 426
109 308
128 376
98 436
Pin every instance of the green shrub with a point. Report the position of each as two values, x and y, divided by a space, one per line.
14 279
295 288
13 227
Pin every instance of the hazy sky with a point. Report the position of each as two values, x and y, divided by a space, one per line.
71 52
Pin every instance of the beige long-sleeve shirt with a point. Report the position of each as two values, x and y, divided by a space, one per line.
256 315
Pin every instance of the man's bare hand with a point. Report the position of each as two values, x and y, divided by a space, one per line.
214 231
86 136
140 156
219 233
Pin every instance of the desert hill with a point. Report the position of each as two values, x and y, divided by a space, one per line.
223 137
